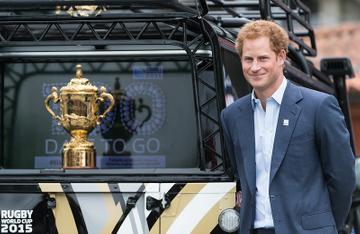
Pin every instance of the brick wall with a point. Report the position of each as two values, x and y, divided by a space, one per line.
344 41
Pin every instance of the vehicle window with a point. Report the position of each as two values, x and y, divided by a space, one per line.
153 123
232 65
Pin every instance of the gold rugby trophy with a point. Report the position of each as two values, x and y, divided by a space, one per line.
79 115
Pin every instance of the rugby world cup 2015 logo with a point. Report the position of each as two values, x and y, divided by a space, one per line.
16 221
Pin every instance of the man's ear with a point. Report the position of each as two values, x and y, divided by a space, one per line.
282 57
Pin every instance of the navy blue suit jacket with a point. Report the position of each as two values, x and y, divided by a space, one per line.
312 169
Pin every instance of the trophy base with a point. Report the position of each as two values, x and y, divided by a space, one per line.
79 155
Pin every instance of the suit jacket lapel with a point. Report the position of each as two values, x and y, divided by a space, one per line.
247 143
289 113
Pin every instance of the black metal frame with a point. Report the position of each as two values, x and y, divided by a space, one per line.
291 14
113 31
2 134
9 112
189 33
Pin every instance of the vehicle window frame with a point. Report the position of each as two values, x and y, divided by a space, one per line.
106 174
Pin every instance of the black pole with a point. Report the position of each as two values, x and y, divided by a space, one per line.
2 95
343 99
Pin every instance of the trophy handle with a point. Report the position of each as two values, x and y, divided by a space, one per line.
52 96
104 95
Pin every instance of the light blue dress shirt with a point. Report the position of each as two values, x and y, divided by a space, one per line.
265 122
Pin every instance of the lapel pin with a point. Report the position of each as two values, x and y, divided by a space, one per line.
286 122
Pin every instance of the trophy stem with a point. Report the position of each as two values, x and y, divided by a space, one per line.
79 152
79 134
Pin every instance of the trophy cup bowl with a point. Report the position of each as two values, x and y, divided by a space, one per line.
79 115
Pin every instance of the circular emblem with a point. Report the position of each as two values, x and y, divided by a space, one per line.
143 109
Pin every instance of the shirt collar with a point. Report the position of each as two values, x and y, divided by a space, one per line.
277 96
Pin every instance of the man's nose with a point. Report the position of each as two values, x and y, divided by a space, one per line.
255 66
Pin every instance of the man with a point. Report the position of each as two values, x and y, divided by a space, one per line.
289 145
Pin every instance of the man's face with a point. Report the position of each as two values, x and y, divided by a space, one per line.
262 68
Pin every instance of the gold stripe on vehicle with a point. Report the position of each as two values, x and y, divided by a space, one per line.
114 211
181 200
210 220
51 187
64 219
156 227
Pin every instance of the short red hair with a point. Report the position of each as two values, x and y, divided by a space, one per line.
279 39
